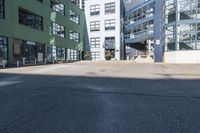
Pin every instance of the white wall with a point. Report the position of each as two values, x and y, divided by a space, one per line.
102 17
182 57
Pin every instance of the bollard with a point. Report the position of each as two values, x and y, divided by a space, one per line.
45 61
53 61
17 63
35 61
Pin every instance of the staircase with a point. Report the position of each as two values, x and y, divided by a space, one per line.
144 59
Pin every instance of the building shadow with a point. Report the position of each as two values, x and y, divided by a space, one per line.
32 103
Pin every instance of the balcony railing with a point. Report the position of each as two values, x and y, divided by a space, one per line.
139 34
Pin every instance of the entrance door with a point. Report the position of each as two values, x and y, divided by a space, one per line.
30 52
3 50
40 53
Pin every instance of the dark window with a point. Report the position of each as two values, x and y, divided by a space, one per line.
76 2
110 7
60 52
2 9
40 1
74 16
74 36
109 43
57 29
32 52
94 10
57 6
95 26
110 24
30 19
3 50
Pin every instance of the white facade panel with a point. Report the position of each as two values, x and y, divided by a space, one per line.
104 33
180 57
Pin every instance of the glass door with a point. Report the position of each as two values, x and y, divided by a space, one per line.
29 52
3 50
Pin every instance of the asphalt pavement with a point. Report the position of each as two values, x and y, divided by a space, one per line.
100 97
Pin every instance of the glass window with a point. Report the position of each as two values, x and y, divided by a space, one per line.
57 29
95 42
110 7
49 53
1 8
94 10
109 43
76 2
30 19
110 24
3 50
60 53
74 16
73 55
74 36
95 55
40 1
95 26
57 6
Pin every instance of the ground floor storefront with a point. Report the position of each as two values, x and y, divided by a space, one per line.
19 52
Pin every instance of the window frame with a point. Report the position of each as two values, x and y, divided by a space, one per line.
109 6
2 12
109 24
95 42
95 10
23 19
74 17
94 55
74 36
94 26
56 28
59 9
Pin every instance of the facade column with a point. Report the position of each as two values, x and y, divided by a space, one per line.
158 25
10 51
177 26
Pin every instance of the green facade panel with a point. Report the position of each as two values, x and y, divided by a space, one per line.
10 27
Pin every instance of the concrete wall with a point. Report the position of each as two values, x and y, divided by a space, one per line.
182 57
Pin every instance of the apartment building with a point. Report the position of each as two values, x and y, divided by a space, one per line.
164 30
104 23
40 31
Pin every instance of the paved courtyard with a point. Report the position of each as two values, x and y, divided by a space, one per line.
100 97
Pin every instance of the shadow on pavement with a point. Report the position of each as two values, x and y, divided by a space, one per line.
75 104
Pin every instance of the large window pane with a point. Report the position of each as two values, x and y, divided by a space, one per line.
94 10
57 29
57 6
74 36
95 42
74 17
110 7
3 50
95 26
1 8
30 19
110 24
